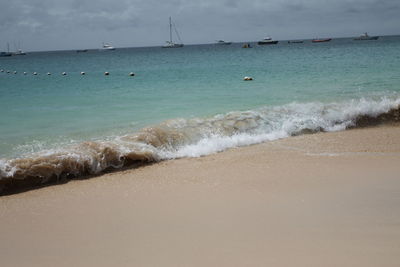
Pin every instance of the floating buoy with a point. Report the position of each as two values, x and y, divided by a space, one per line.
1 70
131 74
48 73
25 73
35 73
15 72
64 73
247 78
106 73
83 73
8 71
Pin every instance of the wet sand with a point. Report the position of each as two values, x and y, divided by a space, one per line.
328 199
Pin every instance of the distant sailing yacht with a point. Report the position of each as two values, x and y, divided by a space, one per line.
18 50
170 43
6 54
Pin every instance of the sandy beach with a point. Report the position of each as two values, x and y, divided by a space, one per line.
327 199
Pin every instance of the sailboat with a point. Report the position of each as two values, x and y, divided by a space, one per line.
18 51
6 54
170 43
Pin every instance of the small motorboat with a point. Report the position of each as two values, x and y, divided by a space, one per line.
107 47
267 41
222 42
321 40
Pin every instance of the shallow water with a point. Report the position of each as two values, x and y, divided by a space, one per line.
189 101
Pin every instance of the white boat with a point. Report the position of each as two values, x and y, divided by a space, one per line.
267 41
170 43
19 52
222 42
107 47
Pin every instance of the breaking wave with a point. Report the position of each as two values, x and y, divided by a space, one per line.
193 138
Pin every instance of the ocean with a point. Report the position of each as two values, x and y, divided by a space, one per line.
183 102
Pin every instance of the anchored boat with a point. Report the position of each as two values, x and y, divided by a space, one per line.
107 47
365 37
6 54
19 52
170 43
321 40
267 41
222 42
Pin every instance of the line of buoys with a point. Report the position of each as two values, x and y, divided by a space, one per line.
131 74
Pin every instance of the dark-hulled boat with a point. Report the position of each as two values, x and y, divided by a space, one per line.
366 37
267 41
5 54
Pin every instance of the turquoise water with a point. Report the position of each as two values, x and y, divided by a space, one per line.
44 112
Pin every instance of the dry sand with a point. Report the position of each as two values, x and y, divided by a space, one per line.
329 199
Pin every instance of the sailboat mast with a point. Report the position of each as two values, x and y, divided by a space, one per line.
170 30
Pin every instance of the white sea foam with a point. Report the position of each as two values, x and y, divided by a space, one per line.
271 123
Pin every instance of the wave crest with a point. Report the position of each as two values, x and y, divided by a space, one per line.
192 138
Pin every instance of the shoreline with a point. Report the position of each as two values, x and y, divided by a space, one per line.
325 199
178 138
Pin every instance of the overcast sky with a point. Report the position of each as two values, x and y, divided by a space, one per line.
76 24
